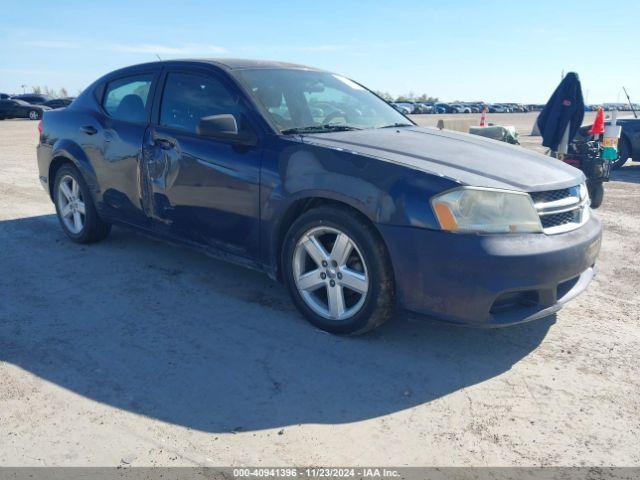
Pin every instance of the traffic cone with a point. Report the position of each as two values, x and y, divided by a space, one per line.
598 123
483 117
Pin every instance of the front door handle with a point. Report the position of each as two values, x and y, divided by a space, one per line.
89 129
164 143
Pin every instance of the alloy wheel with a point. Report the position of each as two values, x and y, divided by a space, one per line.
71 204
330 273
33 115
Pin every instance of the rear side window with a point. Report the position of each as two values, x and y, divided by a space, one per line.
126 98
188 97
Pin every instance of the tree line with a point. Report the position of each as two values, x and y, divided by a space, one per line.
52 92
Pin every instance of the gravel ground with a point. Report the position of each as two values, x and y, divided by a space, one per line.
134 352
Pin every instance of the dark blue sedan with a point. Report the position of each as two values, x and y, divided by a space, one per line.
310 177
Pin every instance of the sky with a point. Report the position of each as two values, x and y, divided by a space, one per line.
509 51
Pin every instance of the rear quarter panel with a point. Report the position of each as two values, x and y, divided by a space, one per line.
60 139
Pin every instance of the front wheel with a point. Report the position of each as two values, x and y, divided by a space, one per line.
596 193
34 115
74 206
338 271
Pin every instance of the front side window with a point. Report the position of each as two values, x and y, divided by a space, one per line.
126 98
189 97
297 100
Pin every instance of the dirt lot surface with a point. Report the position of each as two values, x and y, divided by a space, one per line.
133 352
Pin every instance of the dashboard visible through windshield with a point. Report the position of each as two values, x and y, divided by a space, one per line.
308 101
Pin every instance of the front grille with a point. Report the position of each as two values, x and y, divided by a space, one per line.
557 219
551 195
561 210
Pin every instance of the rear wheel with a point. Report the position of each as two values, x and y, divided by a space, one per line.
74 206
34 115
596 193
338 271
624 152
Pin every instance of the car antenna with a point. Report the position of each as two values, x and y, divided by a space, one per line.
630 104
158 57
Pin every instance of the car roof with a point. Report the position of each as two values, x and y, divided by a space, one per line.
230 63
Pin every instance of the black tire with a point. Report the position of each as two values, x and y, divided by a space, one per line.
94 228
624 152
34 115
596 193
379 301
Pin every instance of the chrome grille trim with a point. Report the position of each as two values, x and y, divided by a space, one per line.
562 210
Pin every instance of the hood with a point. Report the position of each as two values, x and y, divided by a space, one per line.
467 159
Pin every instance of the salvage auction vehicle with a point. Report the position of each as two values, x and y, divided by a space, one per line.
311 178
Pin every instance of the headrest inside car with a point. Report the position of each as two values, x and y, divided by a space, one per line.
270 96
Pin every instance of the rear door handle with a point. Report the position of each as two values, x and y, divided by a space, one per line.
89 129
164 144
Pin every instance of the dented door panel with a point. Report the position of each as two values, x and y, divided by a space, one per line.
202 190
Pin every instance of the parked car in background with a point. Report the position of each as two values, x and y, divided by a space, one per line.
411 107
447 108
12 108
58 102
628 144
426 107
516 107
460 108
33 98
354 207
405 107
498 108
402 108
4 96
422 108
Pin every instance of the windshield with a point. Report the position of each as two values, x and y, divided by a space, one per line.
299 101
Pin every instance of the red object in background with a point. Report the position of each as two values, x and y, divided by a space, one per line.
484 116
598 124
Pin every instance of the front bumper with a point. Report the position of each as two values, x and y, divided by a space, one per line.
490 280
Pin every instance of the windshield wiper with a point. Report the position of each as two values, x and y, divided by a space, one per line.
319 129
395 125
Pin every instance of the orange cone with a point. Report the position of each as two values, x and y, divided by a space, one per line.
598 123
483 117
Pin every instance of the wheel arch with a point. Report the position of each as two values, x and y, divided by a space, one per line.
55 165
296 209
65 151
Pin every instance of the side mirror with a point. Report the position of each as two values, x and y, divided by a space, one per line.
224 127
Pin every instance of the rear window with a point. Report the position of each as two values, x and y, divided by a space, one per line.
126 98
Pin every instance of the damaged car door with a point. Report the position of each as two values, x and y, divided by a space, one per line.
202 163
113 141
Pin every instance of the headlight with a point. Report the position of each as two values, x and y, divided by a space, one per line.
484 210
